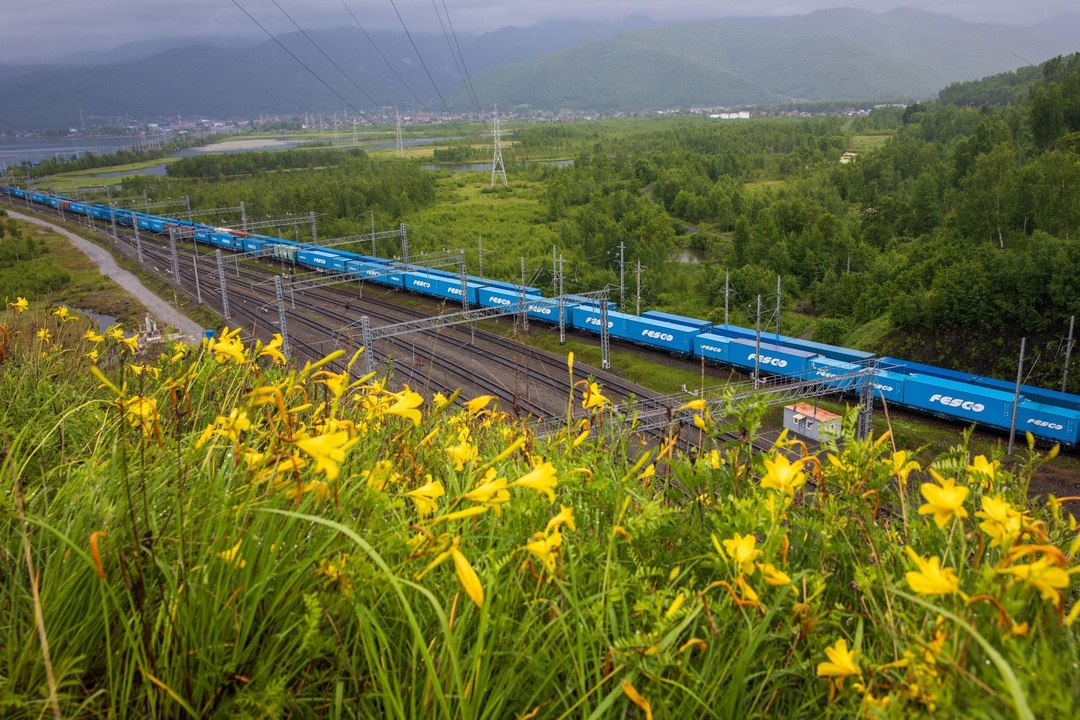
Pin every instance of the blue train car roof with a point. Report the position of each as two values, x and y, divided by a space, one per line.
1040 395
908 366
676 319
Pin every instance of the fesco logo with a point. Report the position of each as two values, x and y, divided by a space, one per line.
657 335
454 290
1045 424
498 301
883 388
710 348
596 321
318 261
768 360
957 402
540 309
421 283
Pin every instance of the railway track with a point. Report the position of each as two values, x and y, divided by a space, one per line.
530 382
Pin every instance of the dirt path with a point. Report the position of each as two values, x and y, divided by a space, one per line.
163 312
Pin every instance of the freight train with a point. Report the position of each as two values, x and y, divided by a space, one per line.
986 402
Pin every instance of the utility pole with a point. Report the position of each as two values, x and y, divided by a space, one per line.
198 289
314 230
521 295
1016 395
187 202
174 256
372 220
138 238
1068 354
622 277
637 309
281 316
224 290
404 244
480 252
727 293
562 305
243 216
757 344
778 308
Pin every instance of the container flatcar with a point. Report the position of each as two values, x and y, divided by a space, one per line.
770 359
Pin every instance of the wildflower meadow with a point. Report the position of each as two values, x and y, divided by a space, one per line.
205 531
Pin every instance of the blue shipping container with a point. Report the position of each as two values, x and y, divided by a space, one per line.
945 397
713 347
772 359
588 318
889 385
834 371
1047 421
656 333
699 325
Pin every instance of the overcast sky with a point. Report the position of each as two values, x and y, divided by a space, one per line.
36 31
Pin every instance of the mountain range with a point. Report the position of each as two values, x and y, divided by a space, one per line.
630 65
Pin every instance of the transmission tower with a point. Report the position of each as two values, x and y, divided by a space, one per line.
497 167
400 147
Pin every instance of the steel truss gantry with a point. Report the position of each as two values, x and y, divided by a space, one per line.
658 413
371 334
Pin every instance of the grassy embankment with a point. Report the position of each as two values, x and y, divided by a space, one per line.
199 532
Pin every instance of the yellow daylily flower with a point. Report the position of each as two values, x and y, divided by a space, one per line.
20 305
406 404
1000 521
426 497
93 336
93 355
132 343
491 492
142 413
462 454
231 426
229 555
64 314
273 350
546 548
116 332
478 403
841 663
741 550
541 479
328 451
944 501
1044 575
228 346
44 335
636 698
565 517
984 468
784 476
697 405
931 578
467 576
900 466
772 575
593 398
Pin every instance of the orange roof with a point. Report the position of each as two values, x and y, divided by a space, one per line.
819 414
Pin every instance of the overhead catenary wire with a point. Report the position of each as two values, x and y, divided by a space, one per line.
302 64
468 79
419 56
381 55
323 53
458 63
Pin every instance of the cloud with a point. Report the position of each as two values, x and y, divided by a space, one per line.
31 31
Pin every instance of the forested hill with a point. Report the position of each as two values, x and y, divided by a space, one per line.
631 65
1010 87
826 55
